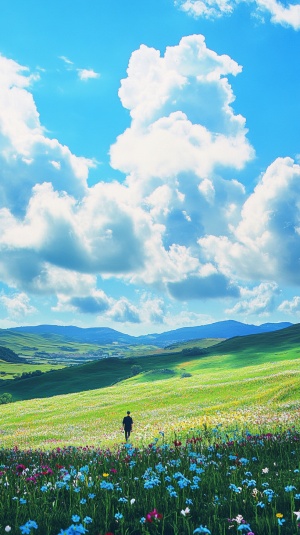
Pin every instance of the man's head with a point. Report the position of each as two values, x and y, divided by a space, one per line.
128 412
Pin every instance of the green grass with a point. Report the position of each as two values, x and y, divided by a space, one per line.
10 370
85 404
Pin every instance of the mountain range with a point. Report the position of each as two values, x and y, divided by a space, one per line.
104 335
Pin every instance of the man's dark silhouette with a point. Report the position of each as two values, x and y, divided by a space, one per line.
127 425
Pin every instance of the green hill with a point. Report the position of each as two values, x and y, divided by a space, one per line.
7 355
236 353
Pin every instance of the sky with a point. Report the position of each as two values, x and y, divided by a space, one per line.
149 163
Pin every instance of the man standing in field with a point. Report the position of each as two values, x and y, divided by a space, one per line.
127 425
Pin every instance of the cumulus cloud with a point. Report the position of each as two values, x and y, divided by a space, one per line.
182 118
27 156
260 300
265 244
17 305
124 312
87 74
156 228
280 14
290 307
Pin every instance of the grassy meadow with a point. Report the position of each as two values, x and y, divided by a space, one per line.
214 449
174 392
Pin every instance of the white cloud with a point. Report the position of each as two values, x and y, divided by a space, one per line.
182 119
27 155
66 60
290 307
207 9
87 74
284 15
265 244
144 231
261 300
124 312
17 305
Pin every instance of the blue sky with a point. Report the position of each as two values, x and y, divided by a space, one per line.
149 163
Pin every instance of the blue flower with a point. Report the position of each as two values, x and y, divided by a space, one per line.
118 516
91 496
27 527
201 529
82 501
244 527
75 518
280 521
87 520
289 488
22 500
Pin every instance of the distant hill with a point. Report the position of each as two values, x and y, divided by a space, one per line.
102 335
98 335
235 353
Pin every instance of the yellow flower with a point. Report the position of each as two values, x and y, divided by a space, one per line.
279 515
106 475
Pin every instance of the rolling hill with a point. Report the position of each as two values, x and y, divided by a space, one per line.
232 353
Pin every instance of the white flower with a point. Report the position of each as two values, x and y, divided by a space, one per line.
265 470
132 500
7 528
185 511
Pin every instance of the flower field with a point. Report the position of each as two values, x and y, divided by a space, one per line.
216 452
213 481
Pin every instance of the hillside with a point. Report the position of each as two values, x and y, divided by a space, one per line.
276 341
7 355
234 353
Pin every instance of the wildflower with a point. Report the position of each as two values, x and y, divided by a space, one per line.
75 518
118 516
185 511
298 514
105 474
265 470
87 520
289 488
279 515
132 501
153 514
201 529
7 529
82 501
25 529
244 527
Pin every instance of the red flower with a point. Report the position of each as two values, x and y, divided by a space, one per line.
153 514
177 443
